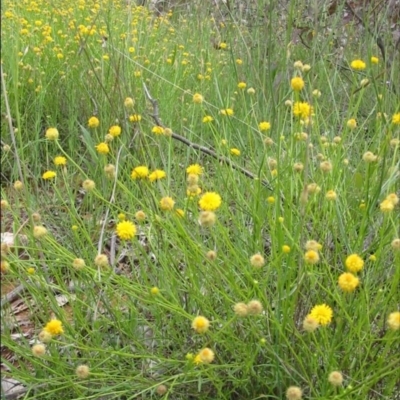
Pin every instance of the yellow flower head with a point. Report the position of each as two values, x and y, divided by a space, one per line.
235 152
301 109
210 201
52 134
322 314
129 102
394 321
205 356
126 230
115 130
241 85
348 282
198 98
140 172
167 203
358 65
226 111
264 126
135 118
310 324
93 122
49 175
200 324
156 175
207 119
354 263
54 327
60 160
102 148
194 169
311 257
297 83
396 119
158 130
374 60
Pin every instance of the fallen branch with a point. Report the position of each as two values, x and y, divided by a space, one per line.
196 146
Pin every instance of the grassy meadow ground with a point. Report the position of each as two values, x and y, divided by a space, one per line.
199 204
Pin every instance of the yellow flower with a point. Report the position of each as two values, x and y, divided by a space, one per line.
264 126
241 85
331 195
102 148
154 290
210 201
358 65
115 131
194 169
207 119
129 102
157 175
386 206
49 175
257 260
394 321
302 110
60 160
352 123
294 393
335 378
82 371
396 119
198 98
140 172
226 111
310 324
286 249
235 152
200 324
207 218
93 122
52 134
167 203
126 230
158 130
297 83
205 356
135 118
348 282
222 46
54 327
374 60
311 257
322 314
354 263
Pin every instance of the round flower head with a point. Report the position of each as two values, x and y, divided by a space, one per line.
198 98
88 185
313 188
82 371
52 134
241 85
207 119
4 266
374 60
192 179
45 337
331 195
161 390
254 307
322 314
226 111
393 198
109 170
60 161
358 65
396 244
155 290
140 216
294 393
101 260
386 206
310 324
200 324
335 378
264 126
241 309
210 201
326 166
140 172
206 356
303 110
129 102
354 263
156 175
102 148
38 350
396 119
115 130
126 230
251 91
257 260
297 84
393 321
39 231
311 257
235 152
167 203
352 123
369 157
78 264
207 218
348 282
298 166
54 327
49 175
93 122
158 130
313 245
194 169
211 255
135 118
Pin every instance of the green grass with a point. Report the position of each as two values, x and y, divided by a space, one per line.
133 338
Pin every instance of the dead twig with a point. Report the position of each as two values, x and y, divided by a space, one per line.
196 146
